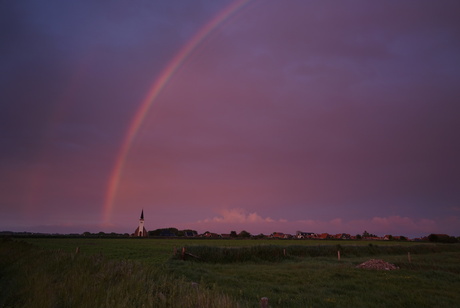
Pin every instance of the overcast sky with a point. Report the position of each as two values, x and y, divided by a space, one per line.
319 116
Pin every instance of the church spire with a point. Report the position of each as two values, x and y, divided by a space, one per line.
140 231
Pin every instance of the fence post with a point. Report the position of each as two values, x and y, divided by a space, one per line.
264 302
175 251
77 250
284 251
183 253
408 257
338 255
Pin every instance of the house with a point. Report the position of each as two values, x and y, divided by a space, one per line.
277 235
324 236
300 234
211 235
342 236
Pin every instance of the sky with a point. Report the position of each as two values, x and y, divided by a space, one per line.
264 116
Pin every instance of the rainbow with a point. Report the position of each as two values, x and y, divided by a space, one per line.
152 94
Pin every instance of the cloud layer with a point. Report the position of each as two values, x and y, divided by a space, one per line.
315 114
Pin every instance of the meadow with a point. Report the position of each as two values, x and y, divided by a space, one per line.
48 272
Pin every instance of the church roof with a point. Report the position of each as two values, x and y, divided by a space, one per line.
142 214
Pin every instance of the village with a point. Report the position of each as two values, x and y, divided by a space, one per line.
309 235
299 235
141 232
173 232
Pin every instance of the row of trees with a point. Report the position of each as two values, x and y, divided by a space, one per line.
173 232
242 234
443 238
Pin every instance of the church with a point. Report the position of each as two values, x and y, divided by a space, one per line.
140 231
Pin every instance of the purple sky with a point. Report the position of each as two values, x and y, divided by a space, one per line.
320 116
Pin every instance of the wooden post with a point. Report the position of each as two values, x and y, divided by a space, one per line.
77 250
175 251
183 253
408 257
284 251
338 255
264 302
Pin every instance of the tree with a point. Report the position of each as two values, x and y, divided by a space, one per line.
190 232
155 232
442 238
244 234
233 234
367 234
261 235
174 231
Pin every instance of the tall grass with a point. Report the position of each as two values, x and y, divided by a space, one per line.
275 253
34 277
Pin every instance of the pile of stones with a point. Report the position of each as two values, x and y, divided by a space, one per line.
377 264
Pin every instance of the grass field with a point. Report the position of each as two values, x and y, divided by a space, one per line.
144 273
158 251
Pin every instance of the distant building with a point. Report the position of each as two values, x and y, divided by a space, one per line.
211 235
280 235
140 231
324 236
277 235
343 236
301 234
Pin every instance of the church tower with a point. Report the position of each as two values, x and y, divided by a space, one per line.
140 231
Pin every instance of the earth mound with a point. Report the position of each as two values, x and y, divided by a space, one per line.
377 264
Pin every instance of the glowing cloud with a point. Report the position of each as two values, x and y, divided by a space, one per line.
255 223
238 216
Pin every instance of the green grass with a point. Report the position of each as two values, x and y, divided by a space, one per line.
431 279
276 253
321 282
144 273
31 276
158 251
